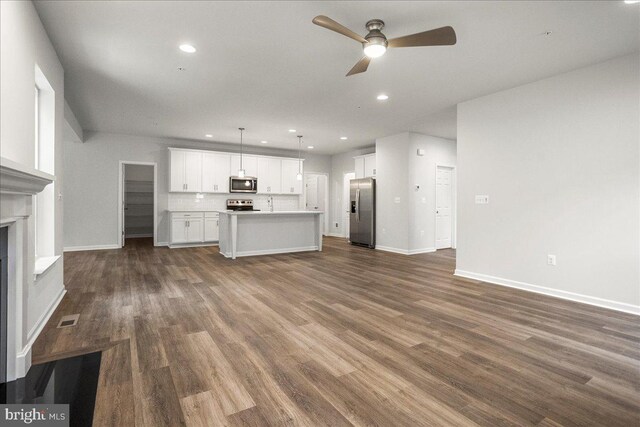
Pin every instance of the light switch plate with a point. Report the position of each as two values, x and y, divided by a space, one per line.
396 200
482 200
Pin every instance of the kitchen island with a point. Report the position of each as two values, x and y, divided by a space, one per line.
248 233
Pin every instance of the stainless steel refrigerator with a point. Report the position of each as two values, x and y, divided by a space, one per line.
362 212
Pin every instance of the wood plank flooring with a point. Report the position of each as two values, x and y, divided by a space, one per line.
349 336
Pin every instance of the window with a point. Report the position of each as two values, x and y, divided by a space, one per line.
43 218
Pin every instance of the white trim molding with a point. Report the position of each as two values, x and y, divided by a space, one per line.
272 251
23 358
90 248
405 251
19 179
571 296
335 235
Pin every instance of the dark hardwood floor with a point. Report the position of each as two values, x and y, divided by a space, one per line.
346 336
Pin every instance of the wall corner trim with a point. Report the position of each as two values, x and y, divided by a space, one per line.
585 299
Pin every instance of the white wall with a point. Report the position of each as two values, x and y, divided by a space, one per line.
559 161
422 172
406 216
341 164
92 183
392 192
23 45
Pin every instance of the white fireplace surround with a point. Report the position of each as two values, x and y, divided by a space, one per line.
17 185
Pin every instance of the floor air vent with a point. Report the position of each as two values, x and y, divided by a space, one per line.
68 321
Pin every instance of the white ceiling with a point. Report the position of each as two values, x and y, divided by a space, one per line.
265 66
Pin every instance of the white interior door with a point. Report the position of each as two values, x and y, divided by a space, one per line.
312 192
444 203
316 196
123 203
345 201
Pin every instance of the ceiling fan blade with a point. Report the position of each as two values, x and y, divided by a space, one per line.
332 25
360 67
443 36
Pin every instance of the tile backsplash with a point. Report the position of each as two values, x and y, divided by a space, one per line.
206 202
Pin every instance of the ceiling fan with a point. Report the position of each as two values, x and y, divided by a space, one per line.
375 43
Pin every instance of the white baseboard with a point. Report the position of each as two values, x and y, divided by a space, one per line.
90 248
335 235
271 251
190 245
23 359
405 251
421 251
394 250
162 244
585 299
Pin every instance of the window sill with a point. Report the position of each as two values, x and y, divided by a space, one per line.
43 264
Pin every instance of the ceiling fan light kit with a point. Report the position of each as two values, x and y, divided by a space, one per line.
375 43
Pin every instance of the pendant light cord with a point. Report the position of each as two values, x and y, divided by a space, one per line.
299 147
241 130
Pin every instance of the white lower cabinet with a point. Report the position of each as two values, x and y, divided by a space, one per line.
211 227
193 227
187 227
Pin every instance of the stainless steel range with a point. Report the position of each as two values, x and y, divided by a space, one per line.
240 205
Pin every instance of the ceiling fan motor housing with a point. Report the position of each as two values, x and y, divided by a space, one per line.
375 36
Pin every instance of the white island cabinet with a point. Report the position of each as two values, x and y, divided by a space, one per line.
247 233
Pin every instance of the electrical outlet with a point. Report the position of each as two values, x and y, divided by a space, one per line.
336 225
551 260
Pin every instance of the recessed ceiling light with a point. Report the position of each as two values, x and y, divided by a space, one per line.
382 97
344 138
632 1
187 48
292 130
263 142
209 135
310 147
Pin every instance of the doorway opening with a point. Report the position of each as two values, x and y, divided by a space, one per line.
445 207
137 201
316 192
346 209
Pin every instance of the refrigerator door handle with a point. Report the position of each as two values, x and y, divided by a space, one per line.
358 205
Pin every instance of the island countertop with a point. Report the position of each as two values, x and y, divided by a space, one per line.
270 212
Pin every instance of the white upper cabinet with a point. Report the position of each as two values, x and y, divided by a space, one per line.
185 174
269 175
216 169
365 166
250 164
199 171
370 165
359 167
290 185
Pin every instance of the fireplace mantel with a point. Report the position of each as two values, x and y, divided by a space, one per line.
18 179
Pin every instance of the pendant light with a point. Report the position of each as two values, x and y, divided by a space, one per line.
241 171
299 175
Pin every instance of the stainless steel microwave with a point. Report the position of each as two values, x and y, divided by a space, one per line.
247 184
